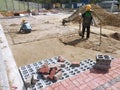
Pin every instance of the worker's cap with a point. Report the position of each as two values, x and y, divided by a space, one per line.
88 7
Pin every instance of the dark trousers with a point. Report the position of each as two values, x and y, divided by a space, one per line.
88 31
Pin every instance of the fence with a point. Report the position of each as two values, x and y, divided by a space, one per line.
13 5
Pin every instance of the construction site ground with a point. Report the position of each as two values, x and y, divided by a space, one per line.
50 38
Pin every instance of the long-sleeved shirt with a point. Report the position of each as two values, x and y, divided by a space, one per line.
87 18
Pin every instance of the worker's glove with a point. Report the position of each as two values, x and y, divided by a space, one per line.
80 14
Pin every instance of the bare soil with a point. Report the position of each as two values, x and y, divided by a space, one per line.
49 38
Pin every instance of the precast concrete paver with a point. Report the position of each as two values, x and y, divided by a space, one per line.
99 80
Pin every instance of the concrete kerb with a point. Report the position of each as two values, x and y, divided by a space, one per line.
4 85
11 67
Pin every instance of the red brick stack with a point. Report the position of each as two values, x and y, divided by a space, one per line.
52 72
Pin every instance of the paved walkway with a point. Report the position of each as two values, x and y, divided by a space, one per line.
92 80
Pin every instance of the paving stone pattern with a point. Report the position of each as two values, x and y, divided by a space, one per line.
67 71
92 79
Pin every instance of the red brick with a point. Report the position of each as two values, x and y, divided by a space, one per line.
68 81
80 81
116 60
108 76
64 83
117 85
115 75
72 87
93 84
111 73
75 64
73 77
61 87
88 79
80 77
52 74
112 68
84 87
84 76
60 59
102 82
47 88
112 88
117 71
104 78
55 84
44 69
76 83
56 88
94 75
108 88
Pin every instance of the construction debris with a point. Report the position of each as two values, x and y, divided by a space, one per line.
60 59
31 80
51 72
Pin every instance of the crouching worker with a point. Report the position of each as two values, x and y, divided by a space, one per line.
25 27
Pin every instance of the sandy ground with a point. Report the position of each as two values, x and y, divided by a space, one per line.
49 39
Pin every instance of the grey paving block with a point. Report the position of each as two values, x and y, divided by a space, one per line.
67 71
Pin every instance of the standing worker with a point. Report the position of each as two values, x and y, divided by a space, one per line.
87 20
25 27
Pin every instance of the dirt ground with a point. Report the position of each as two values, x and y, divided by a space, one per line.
49 39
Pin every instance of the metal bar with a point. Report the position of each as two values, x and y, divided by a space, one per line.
100 33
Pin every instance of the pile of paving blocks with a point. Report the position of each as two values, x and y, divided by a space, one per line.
46 72
103 62
52 72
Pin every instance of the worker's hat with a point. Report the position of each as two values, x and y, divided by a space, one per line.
23 20
88 7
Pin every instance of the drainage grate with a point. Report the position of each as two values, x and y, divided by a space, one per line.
67 71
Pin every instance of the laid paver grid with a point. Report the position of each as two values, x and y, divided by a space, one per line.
67 71
91 80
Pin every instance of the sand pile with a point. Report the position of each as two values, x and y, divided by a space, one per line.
106 17
99 14
116 36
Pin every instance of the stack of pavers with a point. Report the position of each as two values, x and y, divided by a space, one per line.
35 76
103 62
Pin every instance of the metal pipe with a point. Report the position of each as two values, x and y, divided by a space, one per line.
100 33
